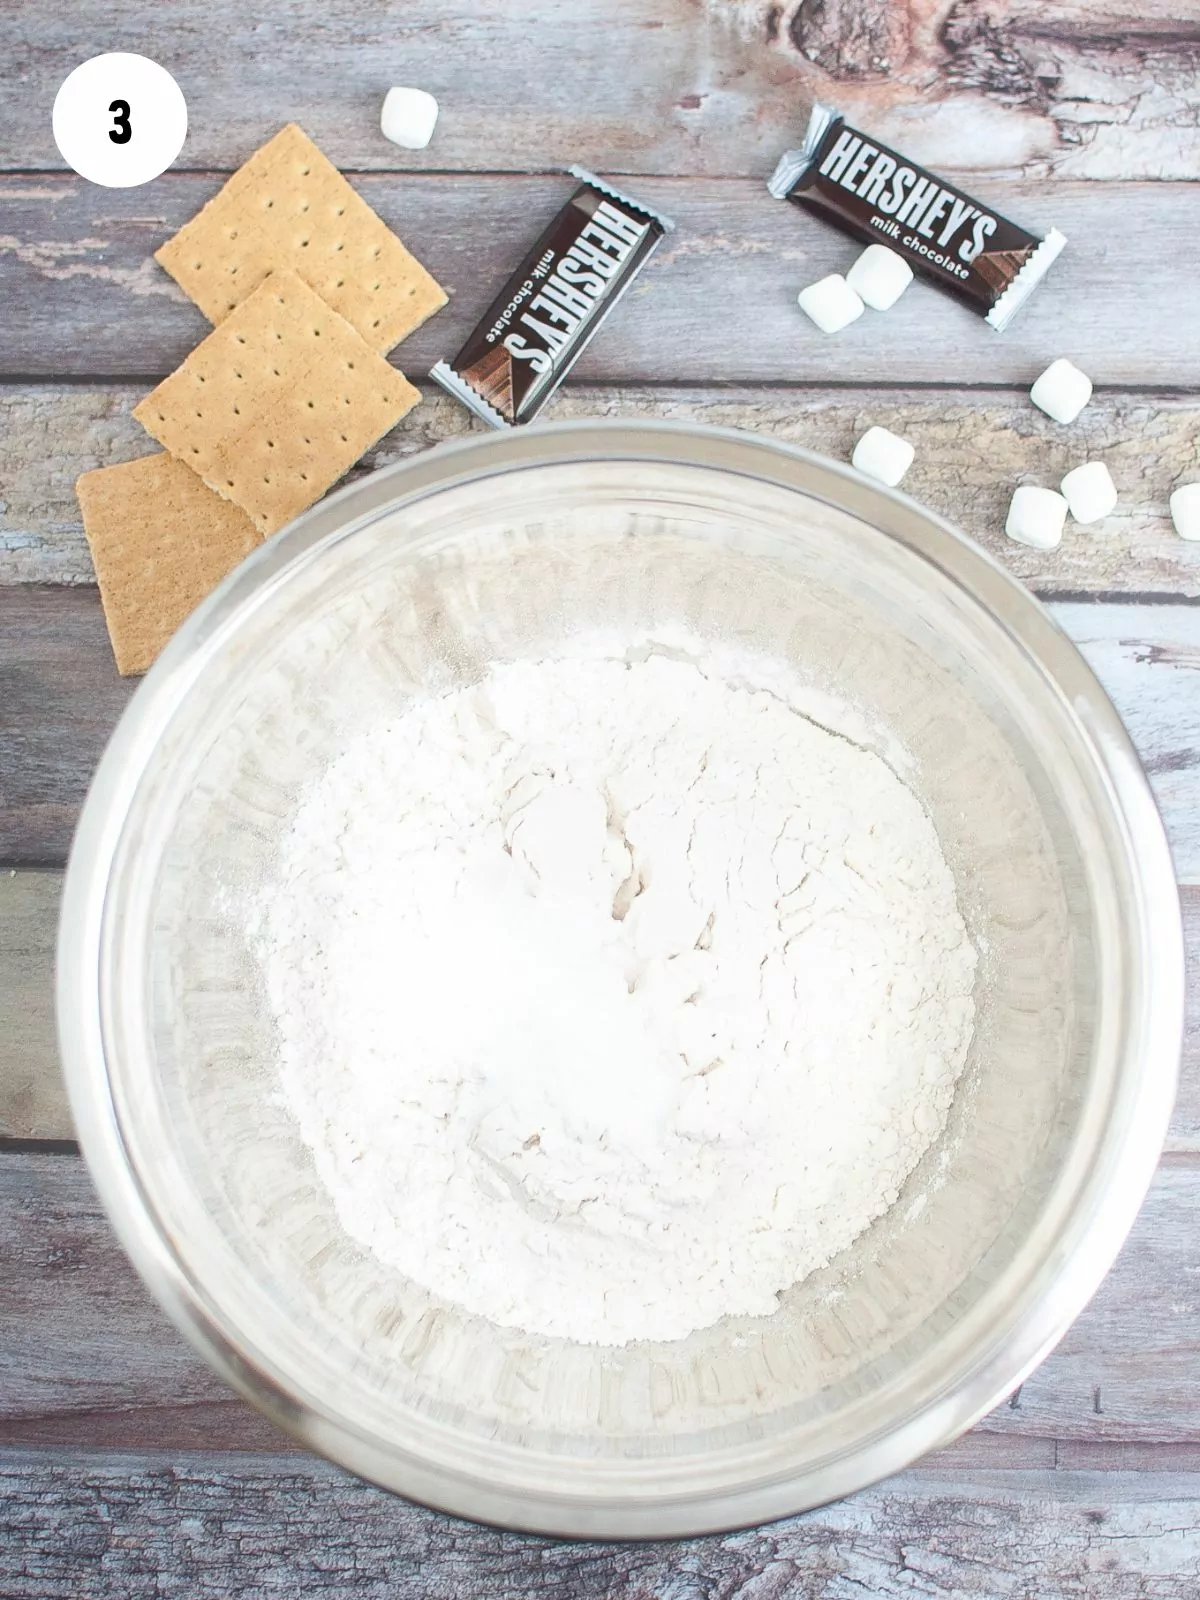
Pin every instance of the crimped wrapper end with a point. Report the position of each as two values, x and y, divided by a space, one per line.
461 390
666 223
793 164
1026 281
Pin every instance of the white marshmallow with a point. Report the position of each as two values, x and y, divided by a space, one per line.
883 455
879 277
408 117
831 303
1062 391
1090 491
1185 510
1036 517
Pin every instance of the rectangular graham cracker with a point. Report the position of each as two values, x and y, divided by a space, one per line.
160 541
277 403
290 207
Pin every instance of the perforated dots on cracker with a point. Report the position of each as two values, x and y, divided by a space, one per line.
288 207
160 540
277 403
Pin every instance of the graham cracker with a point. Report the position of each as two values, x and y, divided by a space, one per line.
160 541
277 403
289 206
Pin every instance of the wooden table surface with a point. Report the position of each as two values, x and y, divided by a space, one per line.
128 1469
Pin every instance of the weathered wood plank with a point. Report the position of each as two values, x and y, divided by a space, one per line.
233 1424
1078 1455
61 1258
81 1344
1185 1123
1145 1319
33 1103
140 1527
972 448
1095 89
83 298
1115 80
1161 710
60 697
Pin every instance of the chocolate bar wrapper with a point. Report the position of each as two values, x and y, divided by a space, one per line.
539 324
881 197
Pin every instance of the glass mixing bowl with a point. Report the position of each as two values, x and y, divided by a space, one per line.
503 547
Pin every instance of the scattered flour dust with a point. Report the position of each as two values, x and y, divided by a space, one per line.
615 996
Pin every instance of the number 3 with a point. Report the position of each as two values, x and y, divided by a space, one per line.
122 132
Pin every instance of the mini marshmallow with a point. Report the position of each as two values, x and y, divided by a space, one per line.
1036 517
1062 391
879 277
1185 510
1090 491
883 455
408 117
831 303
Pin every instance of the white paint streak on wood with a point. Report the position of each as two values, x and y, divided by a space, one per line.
58 261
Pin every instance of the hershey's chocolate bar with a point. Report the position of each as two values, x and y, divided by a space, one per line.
878 196
534 331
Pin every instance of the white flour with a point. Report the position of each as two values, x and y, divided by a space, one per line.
614 998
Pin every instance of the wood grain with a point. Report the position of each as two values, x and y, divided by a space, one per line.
33 1101
87 1358
1089 88
1160 710
61 1256
60 698
83 298
144 1527
233 1424
1093 88
1146 1312
972 448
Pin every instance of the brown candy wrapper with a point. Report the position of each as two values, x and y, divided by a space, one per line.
880 197
537 327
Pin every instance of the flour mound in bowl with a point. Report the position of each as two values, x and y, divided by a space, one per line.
614 996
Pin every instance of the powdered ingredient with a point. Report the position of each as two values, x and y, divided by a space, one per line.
614 996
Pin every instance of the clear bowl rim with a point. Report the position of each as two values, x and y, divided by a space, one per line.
1152 1056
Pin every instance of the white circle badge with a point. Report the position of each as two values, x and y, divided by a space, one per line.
120 120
